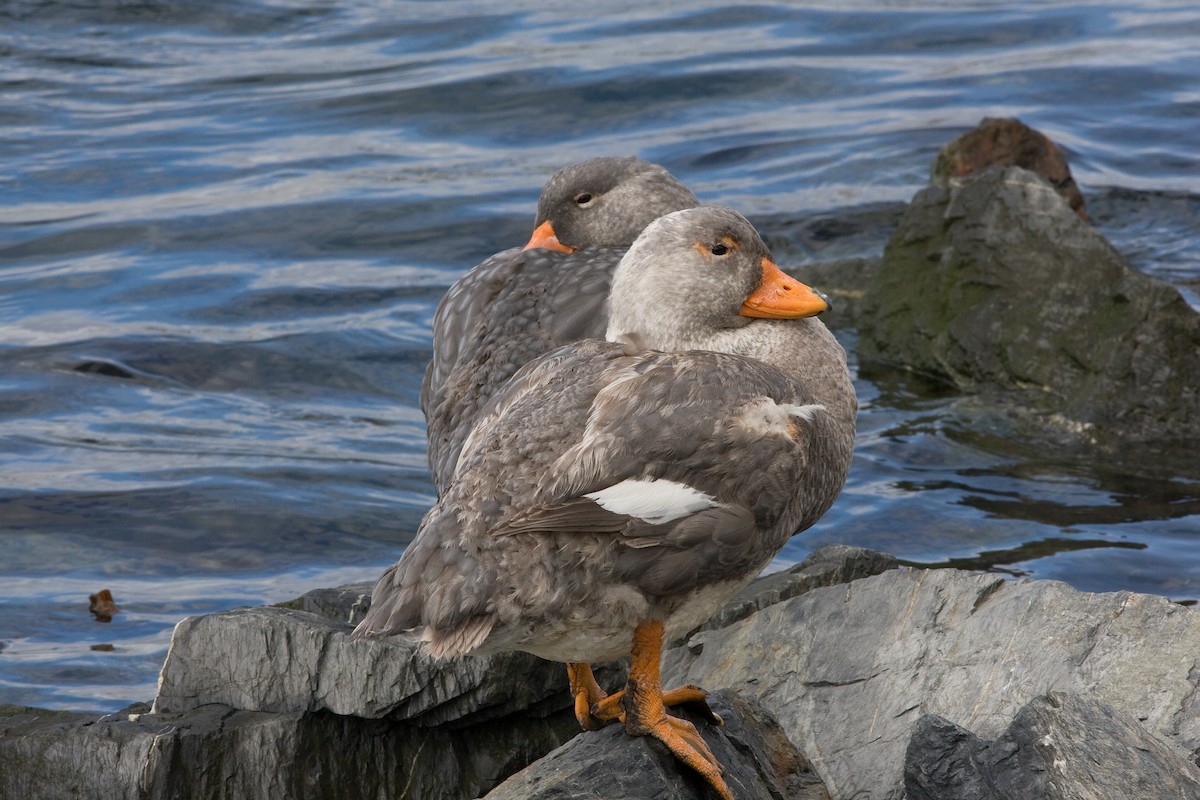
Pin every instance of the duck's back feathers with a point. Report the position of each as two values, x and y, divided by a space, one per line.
626 474
497 318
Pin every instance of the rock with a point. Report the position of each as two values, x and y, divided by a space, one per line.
1060 746
828 565
842 281
285 661
861 677
848 670
299 657
347 603
279 701
993 283
102 606
757 758
1008 143
219 752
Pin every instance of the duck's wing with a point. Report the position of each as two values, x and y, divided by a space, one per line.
432 583
503 314
442 586
693 462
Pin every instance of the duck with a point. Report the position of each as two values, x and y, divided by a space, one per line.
615 493
521 303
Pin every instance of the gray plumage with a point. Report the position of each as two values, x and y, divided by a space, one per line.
613 482
518 304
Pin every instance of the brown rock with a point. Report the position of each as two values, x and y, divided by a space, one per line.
102 606
1008 143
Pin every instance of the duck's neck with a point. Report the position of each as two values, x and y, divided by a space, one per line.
802 348
659 328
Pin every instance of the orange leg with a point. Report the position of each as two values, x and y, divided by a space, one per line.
693 698
595 708
587 694
646 713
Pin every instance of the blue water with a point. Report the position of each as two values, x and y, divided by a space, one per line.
224 227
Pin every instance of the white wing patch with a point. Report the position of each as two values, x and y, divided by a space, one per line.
803 412
654 501
765 416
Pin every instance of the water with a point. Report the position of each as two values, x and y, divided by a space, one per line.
224 227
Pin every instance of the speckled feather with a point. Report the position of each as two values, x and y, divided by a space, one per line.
519 496
539 545
499 317
518 305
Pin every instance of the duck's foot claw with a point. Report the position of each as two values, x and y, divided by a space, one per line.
645 706
694 699
681 738
588 696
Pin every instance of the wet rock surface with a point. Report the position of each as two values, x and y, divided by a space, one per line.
992 282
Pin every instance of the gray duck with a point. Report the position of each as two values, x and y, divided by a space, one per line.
617 493
519 304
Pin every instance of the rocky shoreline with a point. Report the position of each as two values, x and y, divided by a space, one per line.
846 676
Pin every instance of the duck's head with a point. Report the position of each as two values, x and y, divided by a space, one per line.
697 273
605 202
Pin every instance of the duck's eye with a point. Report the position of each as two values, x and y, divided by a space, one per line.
583 199
719 249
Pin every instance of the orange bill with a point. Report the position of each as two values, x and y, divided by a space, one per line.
544 237
780 296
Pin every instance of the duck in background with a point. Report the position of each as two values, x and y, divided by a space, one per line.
616 493
519 304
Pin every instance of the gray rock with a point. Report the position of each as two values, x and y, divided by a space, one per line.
299 657
757 759
219 752
346 603
1061 746
828 565
245 700
844 281
849 670
993 281
286 661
